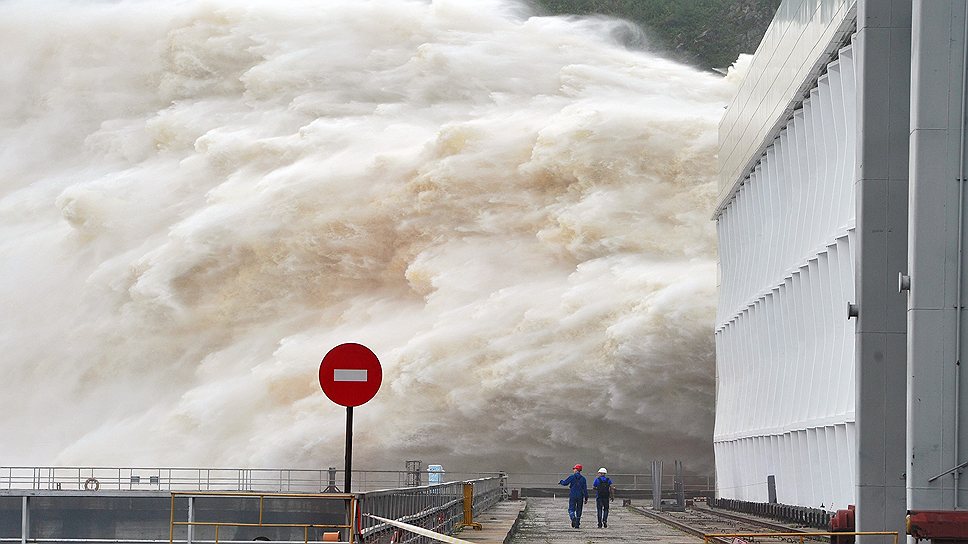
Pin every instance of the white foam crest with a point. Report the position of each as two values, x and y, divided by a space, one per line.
199 199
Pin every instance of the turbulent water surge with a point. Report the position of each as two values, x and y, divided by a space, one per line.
199 199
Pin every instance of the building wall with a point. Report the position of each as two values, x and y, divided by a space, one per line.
803 37
906 430
934 401
785 350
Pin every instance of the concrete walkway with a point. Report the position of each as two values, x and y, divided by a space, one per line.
498 523
546 521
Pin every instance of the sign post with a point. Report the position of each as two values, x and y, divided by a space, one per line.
350 375
348 451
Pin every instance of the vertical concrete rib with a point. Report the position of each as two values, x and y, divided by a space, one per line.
933 396
883 97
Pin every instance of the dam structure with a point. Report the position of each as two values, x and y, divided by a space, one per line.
840 217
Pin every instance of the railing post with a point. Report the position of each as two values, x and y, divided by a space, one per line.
24 521
171 521
351 509
190 534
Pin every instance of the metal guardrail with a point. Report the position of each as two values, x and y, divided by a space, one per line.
488 492
210 479
640 481
292 480
811 517
435 507
348 506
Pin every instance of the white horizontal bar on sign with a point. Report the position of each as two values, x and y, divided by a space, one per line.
349 375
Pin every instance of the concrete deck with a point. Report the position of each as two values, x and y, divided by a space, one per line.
498 524
546 521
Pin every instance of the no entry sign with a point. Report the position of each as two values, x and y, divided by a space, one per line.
350 374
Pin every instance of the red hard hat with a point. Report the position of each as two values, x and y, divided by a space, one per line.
577 467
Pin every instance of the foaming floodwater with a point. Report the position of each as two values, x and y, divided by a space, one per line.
199 199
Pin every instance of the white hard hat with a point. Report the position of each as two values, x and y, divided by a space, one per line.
602 471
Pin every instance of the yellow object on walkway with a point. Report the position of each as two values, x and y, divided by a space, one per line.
469 508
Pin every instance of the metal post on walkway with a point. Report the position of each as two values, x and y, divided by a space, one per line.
657 485
680 486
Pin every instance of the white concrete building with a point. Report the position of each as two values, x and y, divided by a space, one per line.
841 165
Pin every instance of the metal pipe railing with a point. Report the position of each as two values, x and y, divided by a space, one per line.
280 480
199 479
346 512
639 481
436 507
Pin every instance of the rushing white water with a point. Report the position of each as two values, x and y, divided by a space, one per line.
199 199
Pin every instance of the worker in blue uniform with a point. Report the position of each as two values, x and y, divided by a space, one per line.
577 495
603 494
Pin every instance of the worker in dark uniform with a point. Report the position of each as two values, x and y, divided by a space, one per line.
577 495
603 494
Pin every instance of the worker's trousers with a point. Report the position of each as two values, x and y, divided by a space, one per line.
574 508
601 504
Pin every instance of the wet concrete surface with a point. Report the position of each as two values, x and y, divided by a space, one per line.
496 524
546 521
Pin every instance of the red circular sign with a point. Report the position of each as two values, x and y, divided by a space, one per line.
350 374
